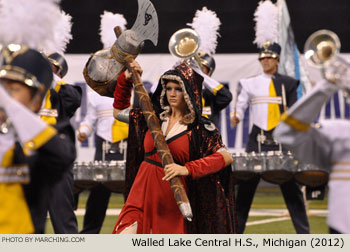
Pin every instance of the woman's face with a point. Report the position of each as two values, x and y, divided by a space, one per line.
175 96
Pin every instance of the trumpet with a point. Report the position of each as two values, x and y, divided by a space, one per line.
321 50
184 44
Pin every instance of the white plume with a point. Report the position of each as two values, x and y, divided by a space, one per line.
206 24
62 34
29 22
266 18
110 20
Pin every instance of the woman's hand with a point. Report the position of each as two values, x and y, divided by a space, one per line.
173 170
134 66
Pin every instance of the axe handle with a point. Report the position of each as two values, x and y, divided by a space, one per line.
159 141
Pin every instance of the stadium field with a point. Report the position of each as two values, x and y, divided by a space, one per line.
267 216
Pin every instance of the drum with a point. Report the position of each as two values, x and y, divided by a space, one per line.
100 171
116 176
311 175
246 166
279 167
83 176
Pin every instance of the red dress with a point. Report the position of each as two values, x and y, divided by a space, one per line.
151 201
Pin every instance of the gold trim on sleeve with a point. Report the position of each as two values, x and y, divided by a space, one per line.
42 138
216 89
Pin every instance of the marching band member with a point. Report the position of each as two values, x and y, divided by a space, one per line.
49 30
216 96
32 153
327 146
264 93
59 105
99 119
109 131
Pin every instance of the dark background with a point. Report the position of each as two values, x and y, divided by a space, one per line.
237 28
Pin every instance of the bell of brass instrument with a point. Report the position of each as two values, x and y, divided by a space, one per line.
184 44
321 50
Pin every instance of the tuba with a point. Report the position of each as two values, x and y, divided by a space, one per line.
184 44
321 50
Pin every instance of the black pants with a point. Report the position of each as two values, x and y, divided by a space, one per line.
98 199
61 205
291 192
56 197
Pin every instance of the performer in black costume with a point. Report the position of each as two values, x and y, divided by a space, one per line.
60 104
215 97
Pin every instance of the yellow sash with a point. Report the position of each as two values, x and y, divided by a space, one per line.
120 131
273 111
51 119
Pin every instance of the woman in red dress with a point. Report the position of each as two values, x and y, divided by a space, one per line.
198 152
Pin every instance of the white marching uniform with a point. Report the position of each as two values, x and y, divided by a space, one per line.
99 118
264 95
255 92
327 146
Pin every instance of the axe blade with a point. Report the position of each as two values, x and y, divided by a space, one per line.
146 24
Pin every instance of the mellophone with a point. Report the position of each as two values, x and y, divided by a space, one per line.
110 174
277 167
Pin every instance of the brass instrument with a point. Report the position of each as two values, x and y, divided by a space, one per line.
321 47
322 51
184 44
